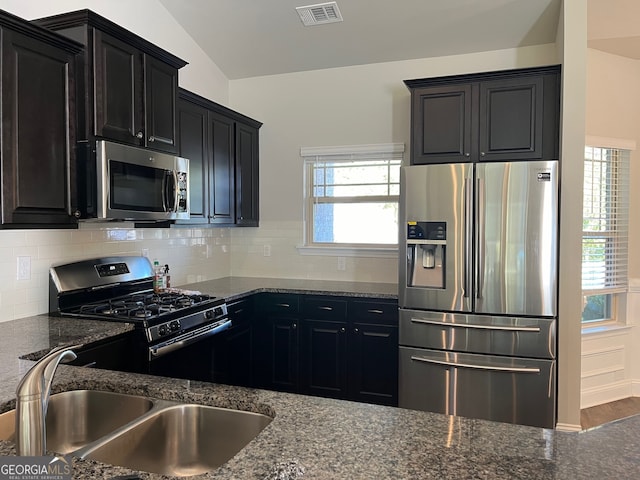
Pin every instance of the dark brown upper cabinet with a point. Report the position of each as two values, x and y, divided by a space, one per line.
37 129
497 116
222 148
129 86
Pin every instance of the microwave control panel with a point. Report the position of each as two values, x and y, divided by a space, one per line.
183 193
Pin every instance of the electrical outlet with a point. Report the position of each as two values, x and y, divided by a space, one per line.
24 268
145 252
342 263
266 250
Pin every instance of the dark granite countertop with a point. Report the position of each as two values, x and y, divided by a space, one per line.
233 288
330 439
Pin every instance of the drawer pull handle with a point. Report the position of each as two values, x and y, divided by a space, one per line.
283 305
325 308
478 327
477 367
377 312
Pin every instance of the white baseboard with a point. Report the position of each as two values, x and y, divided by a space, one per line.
568 427
608 393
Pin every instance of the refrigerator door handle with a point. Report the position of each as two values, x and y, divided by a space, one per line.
477 366
479 327
468 241
480 206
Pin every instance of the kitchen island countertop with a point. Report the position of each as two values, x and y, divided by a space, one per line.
327 438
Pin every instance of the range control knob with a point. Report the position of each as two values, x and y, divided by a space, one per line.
162 330
208 314
175 325
218 311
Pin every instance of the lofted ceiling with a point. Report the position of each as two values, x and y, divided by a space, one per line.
613 26
248 38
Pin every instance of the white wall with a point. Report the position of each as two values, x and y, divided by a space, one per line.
611 358
341 106
150 20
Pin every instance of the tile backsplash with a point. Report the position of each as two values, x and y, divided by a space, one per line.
193 255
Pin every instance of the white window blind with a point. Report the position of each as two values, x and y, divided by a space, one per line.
351 194
605 220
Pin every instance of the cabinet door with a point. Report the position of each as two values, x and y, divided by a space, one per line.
511 114
280 360
119 98
323 362
441 127
37 81
193 122
221 158
246 171
373 364
161 87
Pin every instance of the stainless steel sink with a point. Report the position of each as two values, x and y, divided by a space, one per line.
79 417
181 440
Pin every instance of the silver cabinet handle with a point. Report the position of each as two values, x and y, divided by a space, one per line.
294 326
166 141
342 330
467 154
139 134
325 308
356 330
377 312
478 367
476 326
283 305
482 154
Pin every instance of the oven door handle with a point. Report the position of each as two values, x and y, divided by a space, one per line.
189 338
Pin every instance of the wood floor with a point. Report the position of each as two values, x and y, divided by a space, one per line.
607 412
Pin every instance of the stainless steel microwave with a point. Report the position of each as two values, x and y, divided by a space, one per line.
138 184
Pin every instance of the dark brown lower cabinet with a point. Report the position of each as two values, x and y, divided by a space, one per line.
328 346
373 364
323 358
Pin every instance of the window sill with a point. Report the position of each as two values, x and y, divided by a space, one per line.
606 328
336 251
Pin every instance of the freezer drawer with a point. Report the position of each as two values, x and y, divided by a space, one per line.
503 389
513 336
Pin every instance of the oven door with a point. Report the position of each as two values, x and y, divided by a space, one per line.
188 355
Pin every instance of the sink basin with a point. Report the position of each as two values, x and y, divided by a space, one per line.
182 440
79 417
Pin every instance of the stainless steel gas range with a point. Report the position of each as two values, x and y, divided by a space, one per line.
120 289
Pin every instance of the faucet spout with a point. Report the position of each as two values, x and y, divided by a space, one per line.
32 400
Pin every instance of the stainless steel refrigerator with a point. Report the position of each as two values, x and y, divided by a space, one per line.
478 290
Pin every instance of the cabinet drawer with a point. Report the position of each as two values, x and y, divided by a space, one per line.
279 303
240 312
373 312
324 308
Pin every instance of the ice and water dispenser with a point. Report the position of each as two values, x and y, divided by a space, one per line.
426 254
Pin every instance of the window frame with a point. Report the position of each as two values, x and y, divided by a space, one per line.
616 238
350 153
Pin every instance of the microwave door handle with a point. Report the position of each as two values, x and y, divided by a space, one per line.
176 191
170 189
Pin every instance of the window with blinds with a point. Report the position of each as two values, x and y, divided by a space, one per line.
351 195
605 228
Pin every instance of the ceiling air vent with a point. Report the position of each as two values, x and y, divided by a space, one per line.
319 14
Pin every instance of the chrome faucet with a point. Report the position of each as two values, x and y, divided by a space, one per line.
32 400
